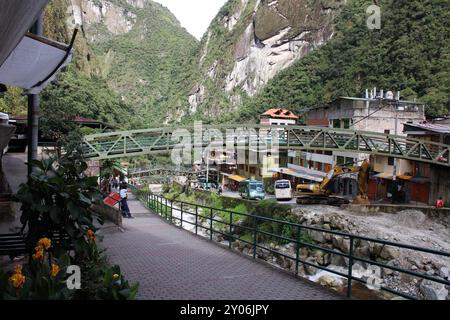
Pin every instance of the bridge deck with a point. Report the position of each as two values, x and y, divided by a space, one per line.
173 264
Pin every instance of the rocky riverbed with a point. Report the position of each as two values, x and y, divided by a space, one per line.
408 227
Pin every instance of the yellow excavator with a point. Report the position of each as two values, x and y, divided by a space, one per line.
320 193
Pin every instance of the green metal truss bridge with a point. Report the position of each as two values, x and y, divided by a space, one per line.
164 140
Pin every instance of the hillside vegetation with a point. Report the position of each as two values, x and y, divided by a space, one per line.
411 53
155 73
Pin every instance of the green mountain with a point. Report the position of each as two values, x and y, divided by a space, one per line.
135 66
131 63
410 53
248 43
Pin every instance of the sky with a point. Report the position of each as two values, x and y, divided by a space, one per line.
194 15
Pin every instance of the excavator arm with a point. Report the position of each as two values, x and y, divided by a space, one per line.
323 187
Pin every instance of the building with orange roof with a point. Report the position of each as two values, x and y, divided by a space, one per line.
279 117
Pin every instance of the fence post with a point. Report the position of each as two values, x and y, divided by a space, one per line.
211 224
231 234
166 209
196 220
350 268
171 211
255 236
298 250
181 221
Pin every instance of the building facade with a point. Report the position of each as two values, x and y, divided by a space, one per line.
376 112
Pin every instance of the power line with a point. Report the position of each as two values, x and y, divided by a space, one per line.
368 116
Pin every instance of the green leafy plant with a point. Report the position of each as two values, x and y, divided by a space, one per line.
58 197
45 276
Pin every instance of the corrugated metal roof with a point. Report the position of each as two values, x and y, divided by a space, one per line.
438 128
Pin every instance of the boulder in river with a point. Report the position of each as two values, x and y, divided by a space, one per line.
433 290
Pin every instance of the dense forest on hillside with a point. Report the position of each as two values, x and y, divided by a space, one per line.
139 78
411 53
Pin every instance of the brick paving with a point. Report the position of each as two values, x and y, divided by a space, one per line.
173 264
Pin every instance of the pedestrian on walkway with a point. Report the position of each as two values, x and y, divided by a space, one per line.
123 200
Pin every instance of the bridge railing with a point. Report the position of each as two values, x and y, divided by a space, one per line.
162 140
204 218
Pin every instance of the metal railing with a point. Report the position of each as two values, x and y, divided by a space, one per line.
204 217
163 140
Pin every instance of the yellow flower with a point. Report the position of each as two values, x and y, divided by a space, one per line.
116 276
45 243
17 280
55 270
39 255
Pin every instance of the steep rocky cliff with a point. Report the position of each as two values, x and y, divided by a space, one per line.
144 53
249 42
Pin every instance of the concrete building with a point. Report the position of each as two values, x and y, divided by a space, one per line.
376 112
279 117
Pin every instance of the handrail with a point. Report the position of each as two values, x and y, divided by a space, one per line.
160 205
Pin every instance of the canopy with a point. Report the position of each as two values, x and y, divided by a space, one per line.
306 174
34 63
237 178
16 17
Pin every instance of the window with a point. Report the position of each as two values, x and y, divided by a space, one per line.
336 123
346 123
391 161
282 185
387 131
340 161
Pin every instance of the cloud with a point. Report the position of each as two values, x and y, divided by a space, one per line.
194 15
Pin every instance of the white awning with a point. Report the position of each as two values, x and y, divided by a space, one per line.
294 173
34 63
16 17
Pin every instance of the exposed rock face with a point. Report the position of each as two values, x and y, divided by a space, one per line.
281 32
115 18
264 37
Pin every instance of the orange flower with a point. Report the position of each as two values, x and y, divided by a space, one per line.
45 243
91 235
39 255
18 269
18 279
55 270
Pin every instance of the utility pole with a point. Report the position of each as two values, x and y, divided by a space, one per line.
33 109
396 104
207 170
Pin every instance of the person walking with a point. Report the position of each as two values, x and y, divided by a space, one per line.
123 201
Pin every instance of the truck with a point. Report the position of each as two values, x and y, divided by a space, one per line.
319 193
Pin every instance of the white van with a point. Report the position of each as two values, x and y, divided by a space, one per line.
283 190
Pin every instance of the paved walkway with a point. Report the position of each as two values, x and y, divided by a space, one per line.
170 263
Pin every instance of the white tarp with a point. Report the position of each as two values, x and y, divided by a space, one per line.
32 61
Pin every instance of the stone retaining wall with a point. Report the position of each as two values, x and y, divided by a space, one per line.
109 213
